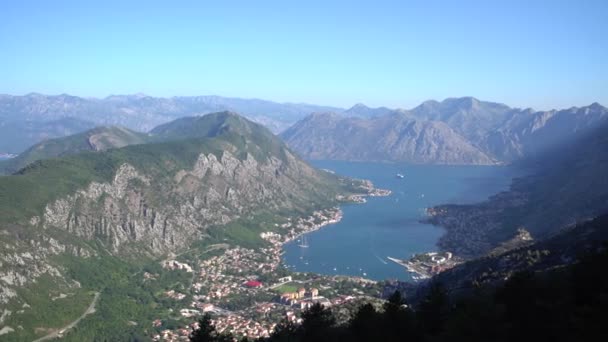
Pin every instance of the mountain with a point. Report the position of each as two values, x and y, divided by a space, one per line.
508 133
394 137
567 246
527 133
137 112
468 116
363 111
487 132
17 135
97 139
454 131
88 226
567 186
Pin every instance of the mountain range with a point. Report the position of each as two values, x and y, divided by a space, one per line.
80 214
454 131
28 119
393 137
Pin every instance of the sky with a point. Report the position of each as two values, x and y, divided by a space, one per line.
540 54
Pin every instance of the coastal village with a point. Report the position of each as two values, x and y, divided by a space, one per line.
248 292
428 264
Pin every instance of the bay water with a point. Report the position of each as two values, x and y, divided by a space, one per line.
390 226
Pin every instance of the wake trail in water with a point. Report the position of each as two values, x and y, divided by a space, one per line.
379 258
372 249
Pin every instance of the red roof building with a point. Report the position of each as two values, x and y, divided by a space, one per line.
253 283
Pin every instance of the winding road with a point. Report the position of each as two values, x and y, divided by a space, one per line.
60 332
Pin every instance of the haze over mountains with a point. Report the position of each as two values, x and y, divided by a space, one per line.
454 131
23 117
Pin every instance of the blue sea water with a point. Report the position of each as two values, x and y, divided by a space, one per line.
368 233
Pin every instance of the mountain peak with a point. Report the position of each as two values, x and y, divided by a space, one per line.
467 101
358 106
596 106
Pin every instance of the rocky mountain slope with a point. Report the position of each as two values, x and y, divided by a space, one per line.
454 131
393 137
565 247
63 216
568 185
97 139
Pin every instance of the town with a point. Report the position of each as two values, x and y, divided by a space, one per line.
248 292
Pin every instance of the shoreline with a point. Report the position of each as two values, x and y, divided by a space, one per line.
335 213
328 217
335 218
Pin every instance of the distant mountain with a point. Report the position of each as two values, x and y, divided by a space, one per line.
456 130
468 116
17 134
363 111
527 133
480 132
97 139
393 137
508 133
137 112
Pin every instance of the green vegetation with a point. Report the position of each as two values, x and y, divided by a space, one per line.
288 287
128 302
56 308
97 139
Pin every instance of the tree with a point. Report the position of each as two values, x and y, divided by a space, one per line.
317 323
397 320
363 326
207 333
285 331
433 311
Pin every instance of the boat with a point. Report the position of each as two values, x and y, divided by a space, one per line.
304 243
399 175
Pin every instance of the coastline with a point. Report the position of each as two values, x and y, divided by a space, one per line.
331 215
327 217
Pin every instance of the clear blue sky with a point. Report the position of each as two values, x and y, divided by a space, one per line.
544 54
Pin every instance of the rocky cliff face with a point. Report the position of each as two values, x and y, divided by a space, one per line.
394 137
454 131
166 216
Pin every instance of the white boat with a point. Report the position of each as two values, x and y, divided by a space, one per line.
399 175
304 243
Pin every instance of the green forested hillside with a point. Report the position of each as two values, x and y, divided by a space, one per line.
95 221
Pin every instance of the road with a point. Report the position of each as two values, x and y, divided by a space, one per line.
59 332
